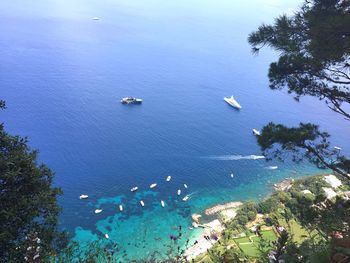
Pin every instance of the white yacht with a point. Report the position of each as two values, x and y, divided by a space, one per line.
162 203
185 198
168 178
179 192
107 236
131 100
256 132
120 208
152 186
134 189
231 101
97 211
83 196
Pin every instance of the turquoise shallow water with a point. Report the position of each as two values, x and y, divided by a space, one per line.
63 74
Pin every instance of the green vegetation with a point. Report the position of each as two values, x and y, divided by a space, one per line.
28 205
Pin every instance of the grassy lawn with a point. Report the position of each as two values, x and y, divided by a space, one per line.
298 232
251 249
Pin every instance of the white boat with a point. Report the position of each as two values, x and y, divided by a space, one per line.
168 178
178 192
120 208
185 185
272 167
337 148
107 236
134 189
95 18
256 132
83 196
142 203
231 175
185 198
131 100
231 101
162 203
97 211
152 186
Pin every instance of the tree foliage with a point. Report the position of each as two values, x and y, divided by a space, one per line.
28 203
314 47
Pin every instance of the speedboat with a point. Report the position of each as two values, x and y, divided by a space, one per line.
231 101
162 203
185 198
152 186
97 211
120 208
134 189
142 203
131 100
185 185
256 132
83 196
178 192
168 178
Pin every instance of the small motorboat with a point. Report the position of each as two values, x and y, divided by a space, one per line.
179 192
231 101
142 203
168 178
337 148
107 236
272 167
95 18
185 185
256 132
134 189
162 203
120 208
185 198
231 175
152 186
83 196
97 211
131 100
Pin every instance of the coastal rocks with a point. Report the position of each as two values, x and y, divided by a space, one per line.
285 185
218 208
196 218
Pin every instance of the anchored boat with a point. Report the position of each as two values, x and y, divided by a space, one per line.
231 101
131 100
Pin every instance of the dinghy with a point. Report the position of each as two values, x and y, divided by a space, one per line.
256 132
134 189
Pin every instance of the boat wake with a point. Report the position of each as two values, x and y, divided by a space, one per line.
236 157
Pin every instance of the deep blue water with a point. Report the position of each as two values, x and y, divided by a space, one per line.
63 74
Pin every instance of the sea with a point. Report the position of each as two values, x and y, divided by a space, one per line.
65 65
